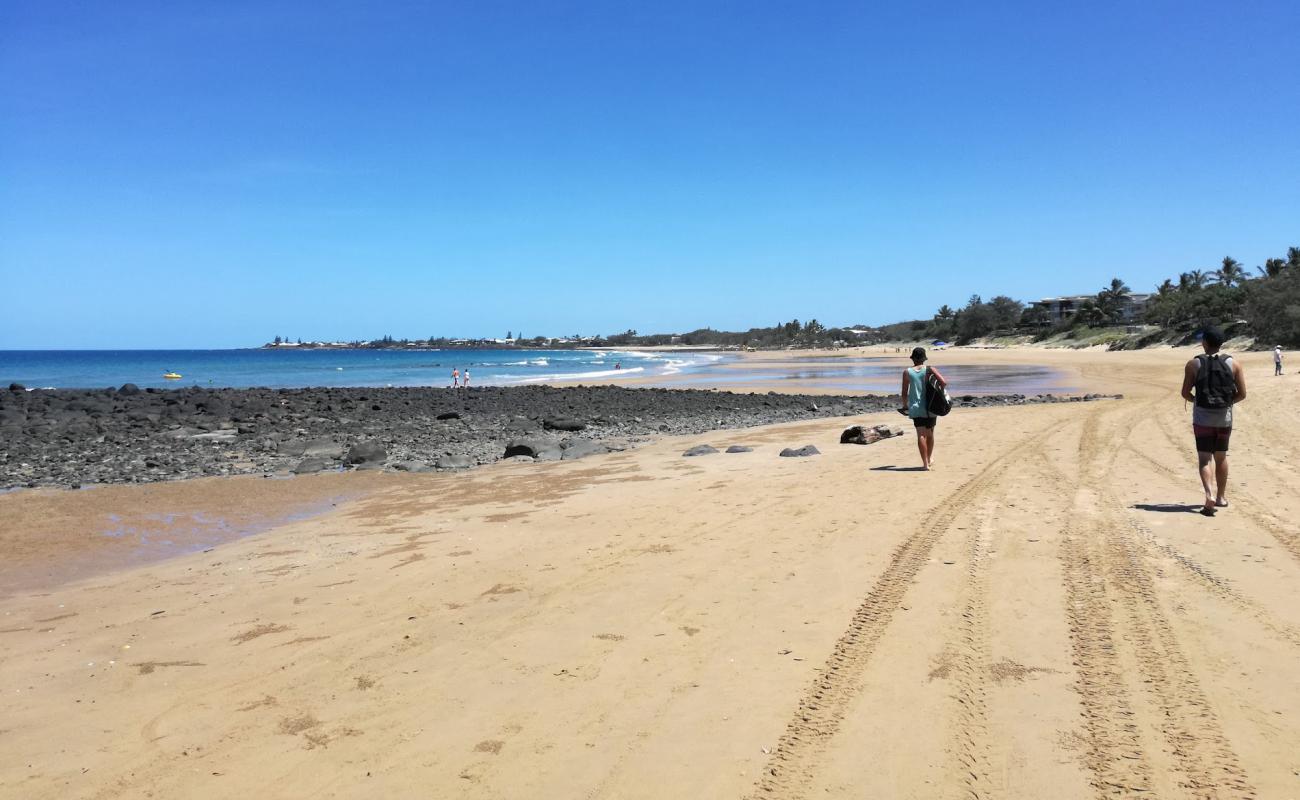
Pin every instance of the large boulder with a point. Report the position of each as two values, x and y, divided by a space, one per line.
564 424
367 454
310 465
129 389
17 387
411 466
700 450
862 434
446 415
800 452
456 461
538 449
740 448
316 448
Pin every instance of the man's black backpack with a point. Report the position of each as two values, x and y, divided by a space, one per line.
936 397
1216 386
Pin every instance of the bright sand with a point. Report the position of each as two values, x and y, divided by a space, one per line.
1040 617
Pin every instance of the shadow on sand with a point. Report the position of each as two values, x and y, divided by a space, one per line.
892 468
1169 508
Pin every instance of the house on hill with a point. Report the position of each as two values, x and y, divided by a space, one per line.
1061 309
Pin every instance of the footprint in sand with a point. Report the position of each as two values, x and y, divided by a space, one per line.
267 701
147 667
260 630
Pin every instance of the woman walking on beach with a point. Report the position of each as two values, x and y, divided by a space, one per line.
914 395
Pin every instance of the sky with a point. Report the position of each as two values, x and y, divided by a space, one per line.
187 174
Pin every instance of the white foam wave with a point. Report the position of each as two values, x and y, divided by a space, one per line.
577 376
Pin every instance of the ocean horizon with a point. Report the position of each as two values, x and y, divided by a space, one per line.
295 369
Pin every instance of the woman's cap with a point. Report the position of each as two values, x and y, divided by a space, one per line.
918 353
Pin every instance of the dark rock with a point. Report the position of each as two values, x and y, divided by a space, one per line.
448 415
740 448
806 450
367 454
538 449
129 389
700 450
17 387
411 466
309 465
564 424
454 462
861 434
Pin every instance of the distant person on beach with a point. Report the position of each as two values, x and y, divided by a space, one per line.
1277 360
455 378
465 380
913 394
1219 383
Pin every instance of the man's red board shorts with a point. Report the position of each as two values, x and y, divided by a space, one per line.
1210 439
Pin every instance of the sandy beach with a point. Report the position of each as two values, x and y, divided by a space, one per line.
1043 616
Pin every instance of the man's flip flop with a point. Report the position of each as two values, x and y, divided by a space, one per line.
1208 510
1224 504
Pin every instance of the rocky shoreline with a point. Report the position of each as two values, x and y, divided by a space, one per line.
72 438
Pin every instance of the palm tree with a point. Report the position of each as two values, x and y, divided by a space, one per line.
1230 273
1192 280
1166 287
1293 257
1111 299
944 313
1272 268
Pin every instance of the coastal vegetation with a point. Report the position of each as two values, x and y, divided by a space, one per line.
1264 304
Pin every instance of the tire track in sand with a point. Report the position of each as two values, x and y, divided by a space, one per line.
1112 602
971 662
793 764
1288 536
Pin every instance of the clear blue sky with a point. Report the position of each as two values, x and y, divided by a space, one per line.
179 174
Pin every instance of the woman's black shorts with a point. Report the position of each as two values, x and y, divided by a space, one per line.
924 422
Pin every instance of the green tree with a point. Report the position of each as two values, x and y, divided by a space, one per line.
1006 312
1230 273
1111 300
1272 268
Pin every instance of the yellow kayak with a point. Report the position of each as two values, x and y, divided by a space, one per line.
172 376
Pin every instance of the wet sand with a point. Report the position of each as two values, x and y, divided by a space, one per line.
1042 616
876 370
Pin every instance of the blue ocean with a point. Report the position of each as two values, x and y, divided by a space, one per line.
292 368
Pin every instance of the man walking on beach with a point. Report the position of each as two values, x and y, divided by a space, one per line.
914 395
1219 383
1277 360
455 377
